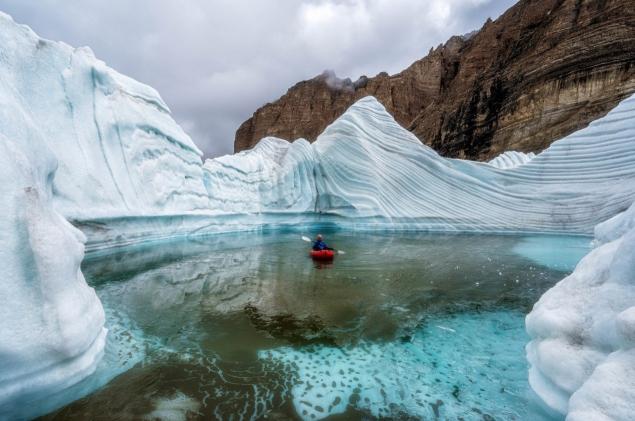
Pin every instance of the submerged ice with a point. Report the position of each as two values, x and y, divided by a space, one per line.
223 319
443 371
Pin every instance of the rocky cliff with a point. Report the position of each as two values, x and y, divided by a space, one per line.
544 69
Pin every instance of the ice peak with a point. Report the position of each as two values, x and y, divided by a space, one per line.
367 120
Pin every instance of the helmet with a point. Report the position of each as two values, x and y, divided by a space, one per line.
319 236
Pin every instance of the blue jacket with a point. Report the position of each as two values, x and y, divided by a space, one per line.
320 245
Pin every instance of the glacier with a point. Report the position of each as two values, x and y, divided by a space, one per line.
127 171
82 143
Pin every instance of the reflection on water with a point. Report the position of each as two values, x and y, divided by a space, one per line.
247 326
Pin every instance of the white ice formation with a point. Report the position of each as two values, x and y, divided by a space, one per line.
583 329
127 172
273 176
371 167
372 173
120 153
511 159
51 323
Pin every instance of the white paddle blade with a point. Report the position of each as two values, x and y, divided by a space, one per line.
341 252
307 239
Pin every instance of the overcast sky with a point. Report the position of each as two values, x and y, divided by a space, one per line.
216 61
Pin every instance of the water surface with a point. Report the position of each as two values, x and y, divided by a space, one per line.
246 326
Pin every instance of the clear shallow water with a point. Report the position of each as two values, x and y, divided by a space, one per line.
247 326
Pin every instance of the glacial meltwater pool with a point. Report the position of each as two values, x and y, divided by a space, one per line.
247 326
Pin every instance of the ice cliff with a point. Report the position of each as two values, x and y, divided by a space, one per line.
51 323
79 140
273 176
119 151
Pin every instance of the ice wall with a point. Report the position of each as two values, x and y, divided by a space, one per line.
273 176
122 157
51 323
369 166
583 329
373 173
119 151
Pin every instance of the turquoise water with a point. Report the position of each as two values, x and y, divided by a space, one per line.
408 326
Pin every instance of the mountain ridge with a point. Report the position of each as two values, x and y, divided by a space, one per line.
541 71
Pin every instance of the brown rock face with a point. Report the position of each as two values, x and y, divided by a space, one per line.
544 69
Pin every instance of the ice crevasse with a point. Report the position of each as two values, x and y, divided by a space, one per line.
80 141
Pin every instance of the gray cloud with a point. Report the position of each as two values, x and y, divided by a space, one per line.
215 62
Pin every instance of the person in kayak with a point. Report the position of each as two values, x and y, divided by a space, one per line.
319 244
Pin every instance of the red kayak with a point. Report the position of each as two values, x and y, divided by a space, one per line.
322 254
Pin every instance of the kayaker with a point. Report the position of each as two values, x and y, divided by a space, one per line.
319 244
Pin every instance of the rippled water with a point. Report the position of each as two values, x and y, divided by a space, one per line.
247 326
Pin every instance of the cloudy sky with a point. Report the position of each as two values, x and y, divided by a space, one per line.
216 61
